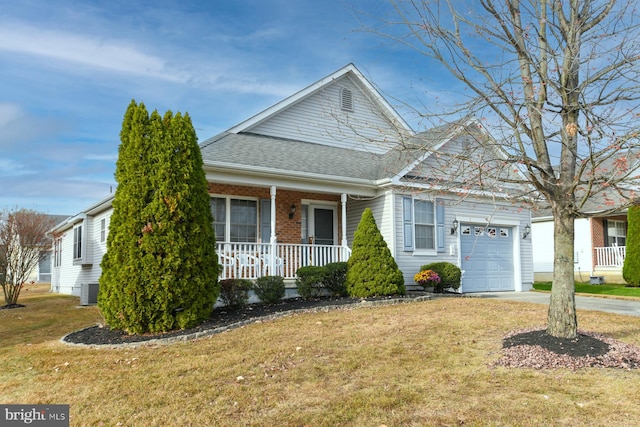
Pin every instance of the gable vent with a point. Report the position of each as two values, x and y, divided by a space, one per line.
346 99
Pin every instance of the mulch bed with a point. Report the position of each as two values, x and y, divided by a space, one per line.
9 306
534 348
220 317
527 348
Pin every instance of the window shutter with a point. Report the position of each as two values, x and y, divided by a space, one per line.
440 225
407 222
265 220
605 232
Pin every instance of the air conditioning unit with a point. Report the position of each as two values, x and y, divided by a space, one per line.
596 280
88 293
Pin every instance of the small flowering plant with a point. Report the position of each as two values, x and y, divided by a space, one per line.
427 278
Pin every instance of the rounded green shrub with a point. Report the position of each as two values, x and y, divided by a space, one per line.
335 278
270 289
235 292
450 275
309 281
371 270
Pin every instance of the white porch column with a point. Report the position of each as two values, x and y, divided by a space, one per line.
343 202
273 239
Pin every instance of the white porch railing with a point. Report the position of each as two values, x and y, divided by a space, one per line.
611 256
253 260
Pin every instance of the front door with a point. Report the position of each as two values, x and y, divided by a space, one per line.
323 225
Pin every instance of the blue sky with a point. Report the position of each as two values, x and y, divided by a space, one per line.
68 70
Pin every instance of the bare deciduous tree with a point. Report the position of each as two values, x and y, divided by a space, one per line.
559 81
23 244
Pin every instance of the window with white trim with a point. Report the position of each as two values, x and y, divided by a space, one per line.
77 242
235 220
423 224
57 252
616 233
103 230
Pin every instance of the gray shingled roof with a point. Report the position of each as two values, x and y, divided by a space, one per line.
285 155
278 154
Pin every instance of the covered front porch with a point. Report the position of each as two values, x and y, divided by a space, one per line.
275 231
253 260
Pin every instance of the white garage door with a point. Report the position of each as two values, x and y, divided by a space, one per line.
487 258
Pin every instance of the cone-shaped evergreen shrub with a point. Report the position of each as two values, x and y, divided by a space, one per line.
372 271
631 267
160 270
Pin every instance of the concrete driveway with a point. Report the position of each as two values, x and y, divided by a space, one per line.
611 305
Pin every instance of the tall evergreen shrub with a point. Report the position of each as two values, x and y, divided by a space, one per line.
160 270
631 267
372 271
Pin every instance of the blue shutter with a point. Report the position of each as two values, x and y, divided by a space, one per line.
440 225
265 220
407 222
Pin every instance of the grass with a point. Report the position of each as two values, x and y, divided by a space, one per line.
606 289
413 364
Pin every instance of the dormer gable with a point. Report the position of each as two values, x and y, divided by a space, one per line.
341 110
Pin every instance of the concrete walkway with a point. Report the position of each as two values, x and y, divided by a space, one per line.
611 305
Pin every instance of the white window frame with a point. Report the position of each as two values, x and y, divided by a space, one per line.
78 242
227 223
57 252
103 230
617 226
417 224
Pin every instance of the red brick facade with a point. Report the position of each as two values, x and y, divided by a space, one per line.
287 230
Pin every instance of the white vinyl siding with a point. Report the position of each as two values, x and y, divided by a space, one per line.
447 249
321 120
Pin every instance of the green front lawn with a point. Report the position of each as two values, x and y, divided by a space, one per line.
585 288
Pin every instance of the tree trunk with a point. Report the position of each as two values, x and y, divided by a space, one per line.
562 321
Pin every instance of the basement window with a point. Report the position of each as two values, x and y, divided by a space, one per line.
346 99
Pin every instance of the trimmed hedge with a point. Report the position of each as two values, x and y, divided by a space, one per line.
450 275
631 266
235 292
312 280
270 289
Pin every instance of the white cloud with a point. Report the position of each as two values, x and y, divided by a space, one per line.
9 113
86 50
9 167
102 157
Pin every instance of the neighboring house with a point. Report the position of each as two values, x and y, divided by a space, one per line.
79 242
599 247
601 234
288 187
42 272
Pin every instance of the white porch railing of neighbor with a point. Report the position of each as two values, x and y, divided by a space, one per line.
253 260
611 256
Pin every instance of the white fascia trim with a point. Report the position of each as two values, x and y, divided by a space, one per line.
459 192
